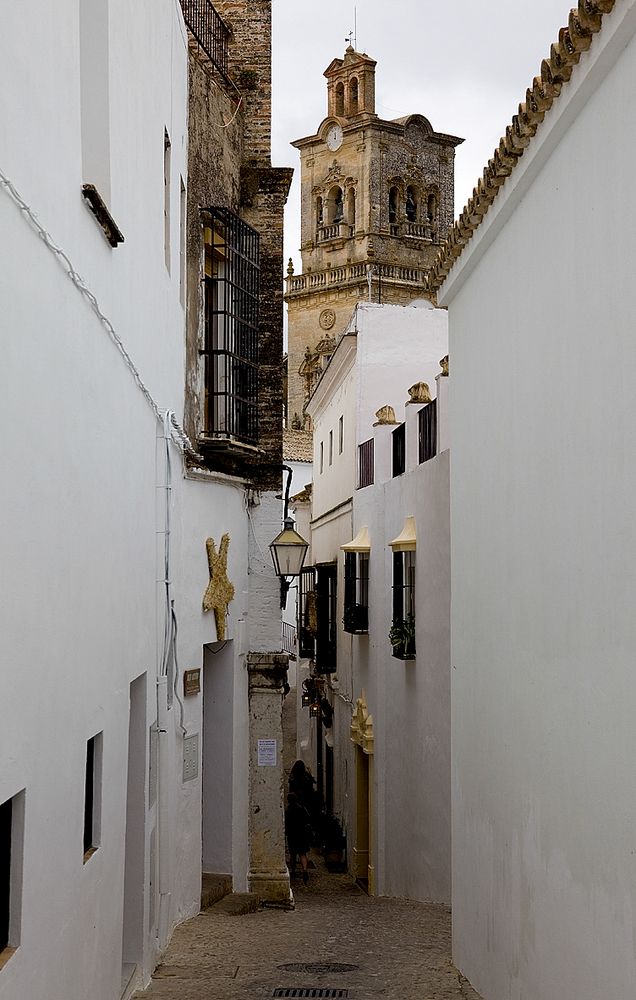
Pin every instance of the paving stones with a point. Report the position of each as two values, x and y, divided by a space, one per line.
336 938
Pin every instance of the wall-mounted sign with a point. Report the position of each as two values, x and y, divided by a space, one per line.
192 681
267 753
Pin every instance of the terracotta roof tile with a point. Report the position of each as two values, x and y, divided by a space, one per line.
297 446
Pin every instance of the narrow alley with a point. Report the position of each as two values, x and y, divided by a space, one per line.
337 942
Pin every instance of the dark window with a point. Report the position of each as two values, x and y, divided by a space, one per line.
6 818
393 204
340 435
356 592
427 431
230 348
340 99
399 450
402 633
307 613
353 96
92 795
326 586
365 464
351 207
410 207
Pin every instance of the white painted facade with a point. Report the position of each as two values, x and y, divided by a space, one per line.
384 351
83 520
543 491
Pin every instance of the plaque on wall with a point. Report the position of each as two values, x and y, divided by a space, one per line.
192 681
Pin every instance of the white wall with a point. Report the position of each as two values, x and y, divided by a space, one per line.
394 347
543 362
81 541
397 346
409 699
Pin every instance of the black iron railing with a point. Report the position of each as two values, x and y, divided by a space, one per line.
289 639
356 592
326 634
230 350
210 31
427 431
365 464
307 613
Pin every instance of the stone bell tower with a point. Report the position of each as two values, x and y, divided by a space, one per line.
376 200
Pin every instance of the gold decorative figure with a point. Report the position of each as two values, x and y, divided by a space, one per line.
220 591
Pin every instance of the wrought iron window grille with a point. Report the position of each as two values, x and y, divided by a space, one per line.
356 593
307 613
326 635
365 464
399 450
402 634
427 432
230 349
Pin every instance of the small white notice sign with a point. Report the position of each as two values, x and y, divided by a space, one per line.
267 753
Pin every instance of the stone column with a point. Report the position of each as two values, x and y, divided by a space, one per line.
268 876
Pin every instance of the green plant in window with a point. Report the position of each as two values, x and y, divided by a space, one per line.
402 637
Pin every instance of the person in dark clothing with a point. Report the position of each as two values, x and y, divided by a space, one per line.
298 832
301 783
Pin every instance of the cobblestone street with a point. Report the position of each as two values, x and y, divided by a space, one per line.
386 948
336 939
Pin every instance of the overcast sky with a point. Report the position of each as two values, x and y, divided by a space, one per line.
464 64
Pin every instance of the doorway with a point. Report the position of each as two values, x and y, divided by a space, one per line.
133 917
218 764
361 849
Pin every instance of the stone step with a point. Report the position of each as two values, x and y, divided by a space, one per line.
237 904
213 888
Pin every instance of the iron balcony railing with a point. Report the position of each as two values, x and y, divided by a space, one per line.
289 639
210 31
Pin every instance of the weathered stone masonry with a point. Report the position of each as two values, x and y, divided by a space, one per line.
230 166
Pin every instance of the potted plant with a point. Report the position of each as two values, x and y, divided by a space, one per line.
402 637
356 618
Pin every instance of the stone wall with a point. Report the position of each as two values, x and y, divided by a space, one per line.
250 68
230 166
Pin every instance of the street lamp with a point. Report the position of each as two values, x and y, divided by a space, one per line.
288 555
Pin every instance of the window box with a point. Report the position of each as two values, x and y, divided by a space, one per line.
402 638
